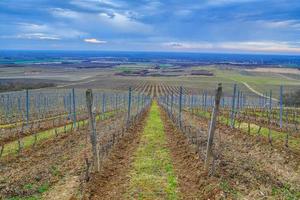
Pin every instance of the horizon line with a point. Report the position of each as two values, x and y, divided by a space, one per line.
160 51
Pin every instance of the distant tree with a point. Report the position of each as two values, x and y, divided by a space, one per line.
21 85
292 99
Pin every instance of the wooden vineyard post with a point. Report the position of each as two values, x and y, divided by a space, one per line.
212 126
237 110
1 150
205 101
241 101
180 106
20 144
138 103
93 135
54 126
2 145
295 120
142 102
167 103
27 107
70 106
36 136
172 100
103 105
248 117
192 103
269 117
116 102
223 102
19 104
129 107
74 108
281 106
233 108
287 129
238 100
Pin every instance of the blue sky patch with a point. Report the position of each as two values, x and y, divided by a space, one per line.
232 26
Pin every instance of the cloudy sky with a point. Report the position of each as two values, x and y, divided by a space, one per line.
240 26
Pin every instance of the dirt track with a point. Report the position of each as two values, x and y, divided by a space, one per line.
111 182
194 183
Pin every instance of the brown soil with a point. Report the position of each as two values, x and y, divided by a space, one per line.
249 164
65 189
263 122
112 180
10 135
245 166
193 179
46 164
51 162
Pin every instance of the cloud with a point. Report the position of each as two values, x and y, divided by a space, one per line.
97 5
211 4
189 45
225 2
94 41
57 30
243 46
124 23
112 3
263 46
66 13
33 36
32 27
215 25
153 5
291 23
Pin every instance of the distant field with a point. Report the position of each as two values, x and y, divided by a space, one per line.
147 144
260 80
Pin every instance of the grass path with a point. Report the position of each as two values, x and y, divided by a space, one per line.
256 92
152 175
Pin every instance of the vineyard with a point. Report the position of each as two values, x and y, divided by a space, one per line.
148 140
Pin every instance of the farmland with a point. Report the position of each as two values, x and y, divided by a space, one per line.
149 100
148 137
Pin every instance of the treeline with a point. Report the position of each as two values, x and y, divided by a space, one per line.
9 85
292 99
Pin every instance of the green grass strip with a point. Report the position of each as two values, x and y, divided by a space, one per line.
152 176
294 142
12 125
28 141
